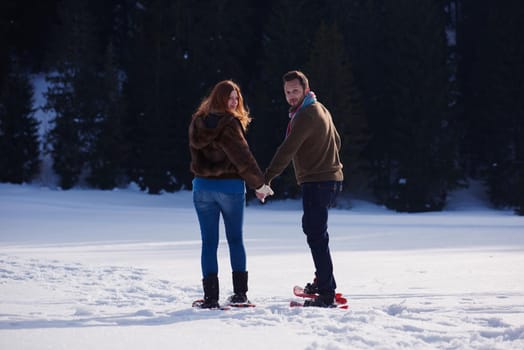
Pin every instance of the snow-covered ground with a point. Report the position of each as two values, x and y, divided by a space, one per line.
85 269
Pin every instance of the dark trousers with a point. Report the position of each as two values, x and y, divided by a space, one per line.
317 198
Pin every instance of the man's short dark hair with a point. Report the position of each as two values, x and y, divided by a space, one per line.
296 74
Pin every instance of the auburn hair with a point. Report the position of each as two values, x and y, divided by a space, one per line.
217 102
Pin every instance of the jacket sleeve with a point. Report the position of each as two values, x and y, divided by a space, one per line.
288 148
236 148
337 138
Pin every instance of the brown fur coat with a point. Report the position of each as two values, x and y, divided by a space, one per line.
219 150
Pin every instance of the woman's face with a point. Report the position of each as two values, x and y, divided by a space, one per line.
232 102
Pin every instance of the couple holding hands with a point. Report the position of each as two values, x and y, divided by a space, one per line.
223 165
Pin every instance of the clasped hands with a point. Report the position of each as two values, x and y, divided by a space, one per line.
263 192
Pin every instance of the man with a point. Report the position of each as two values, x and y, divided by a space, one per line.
312 143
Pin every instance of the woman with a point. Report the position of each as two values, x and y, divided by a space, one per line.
222 163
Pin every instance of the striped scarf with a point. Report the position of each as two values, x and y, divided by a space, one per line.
309 99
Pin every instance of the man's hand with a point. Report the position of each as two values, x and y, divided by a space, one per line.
263 192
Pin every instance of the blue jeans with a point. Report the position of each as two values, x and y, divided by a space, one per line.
317 198
209 205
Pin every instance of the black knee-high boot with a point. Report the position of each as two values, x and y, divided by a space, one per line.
210 284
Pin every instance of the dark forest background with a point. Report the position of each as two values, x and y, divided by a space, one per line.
426 94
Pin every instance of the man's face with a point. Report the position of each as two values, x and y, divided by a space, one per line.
294 92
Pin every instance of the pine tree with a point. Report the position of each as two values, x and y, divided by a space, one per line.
519 202
153 98
19 144
7 10
491 74
64 137
363 26
504 78
73 92
420 150
106 156
331 76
